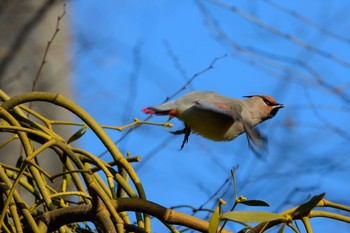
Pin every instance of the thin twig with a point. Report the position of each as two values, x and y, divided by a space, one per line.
175 60
43 60
293 39
211 66
308 21
271 61
196 75
23 35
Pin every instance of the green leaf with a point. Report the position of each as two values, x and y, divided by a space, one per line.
78 134
251 216
305 208
214 221
215 218
254 203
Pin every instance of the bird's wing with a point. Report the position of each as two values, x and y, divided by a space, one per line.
217 108
256 141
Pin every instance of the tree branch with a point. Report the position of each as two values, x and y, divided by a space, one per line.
53 220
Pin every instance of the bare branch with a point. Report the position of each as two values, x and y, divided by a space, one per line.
23 35
43 61
293 39
196 75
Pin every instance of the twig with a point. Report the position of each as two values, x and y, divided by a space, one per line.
270 60
211 66
133 80
293 39
176 60
23 35
43 61
196 75
137 122
306 20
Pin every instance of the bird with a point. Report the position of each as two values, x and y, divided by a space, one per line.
220 118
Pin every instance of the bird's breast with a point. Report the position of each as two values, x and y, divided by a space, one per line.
211 125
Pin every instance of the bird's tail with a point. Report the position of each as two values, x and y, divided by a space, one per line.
168 108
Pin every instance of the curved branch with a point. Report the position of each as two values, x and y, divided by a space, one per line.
166 215
61 101
53 220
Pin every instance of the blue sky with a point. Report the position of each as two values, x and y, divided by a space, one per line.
132 54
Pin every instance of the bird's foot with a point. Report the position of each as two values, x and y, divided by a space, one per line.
186 131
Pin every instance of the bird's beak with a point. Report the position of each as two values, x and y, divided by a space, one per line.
278 106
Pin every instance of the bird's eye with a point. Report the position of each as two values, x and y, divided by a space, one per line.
267 102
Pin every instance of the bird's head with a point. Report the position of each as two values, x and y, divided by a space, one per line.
263 106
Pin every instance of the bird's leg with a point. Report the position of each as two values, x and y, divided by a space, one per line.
186 131
187 135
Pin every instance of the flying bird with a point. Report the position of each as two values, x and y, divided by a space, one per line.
219 118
